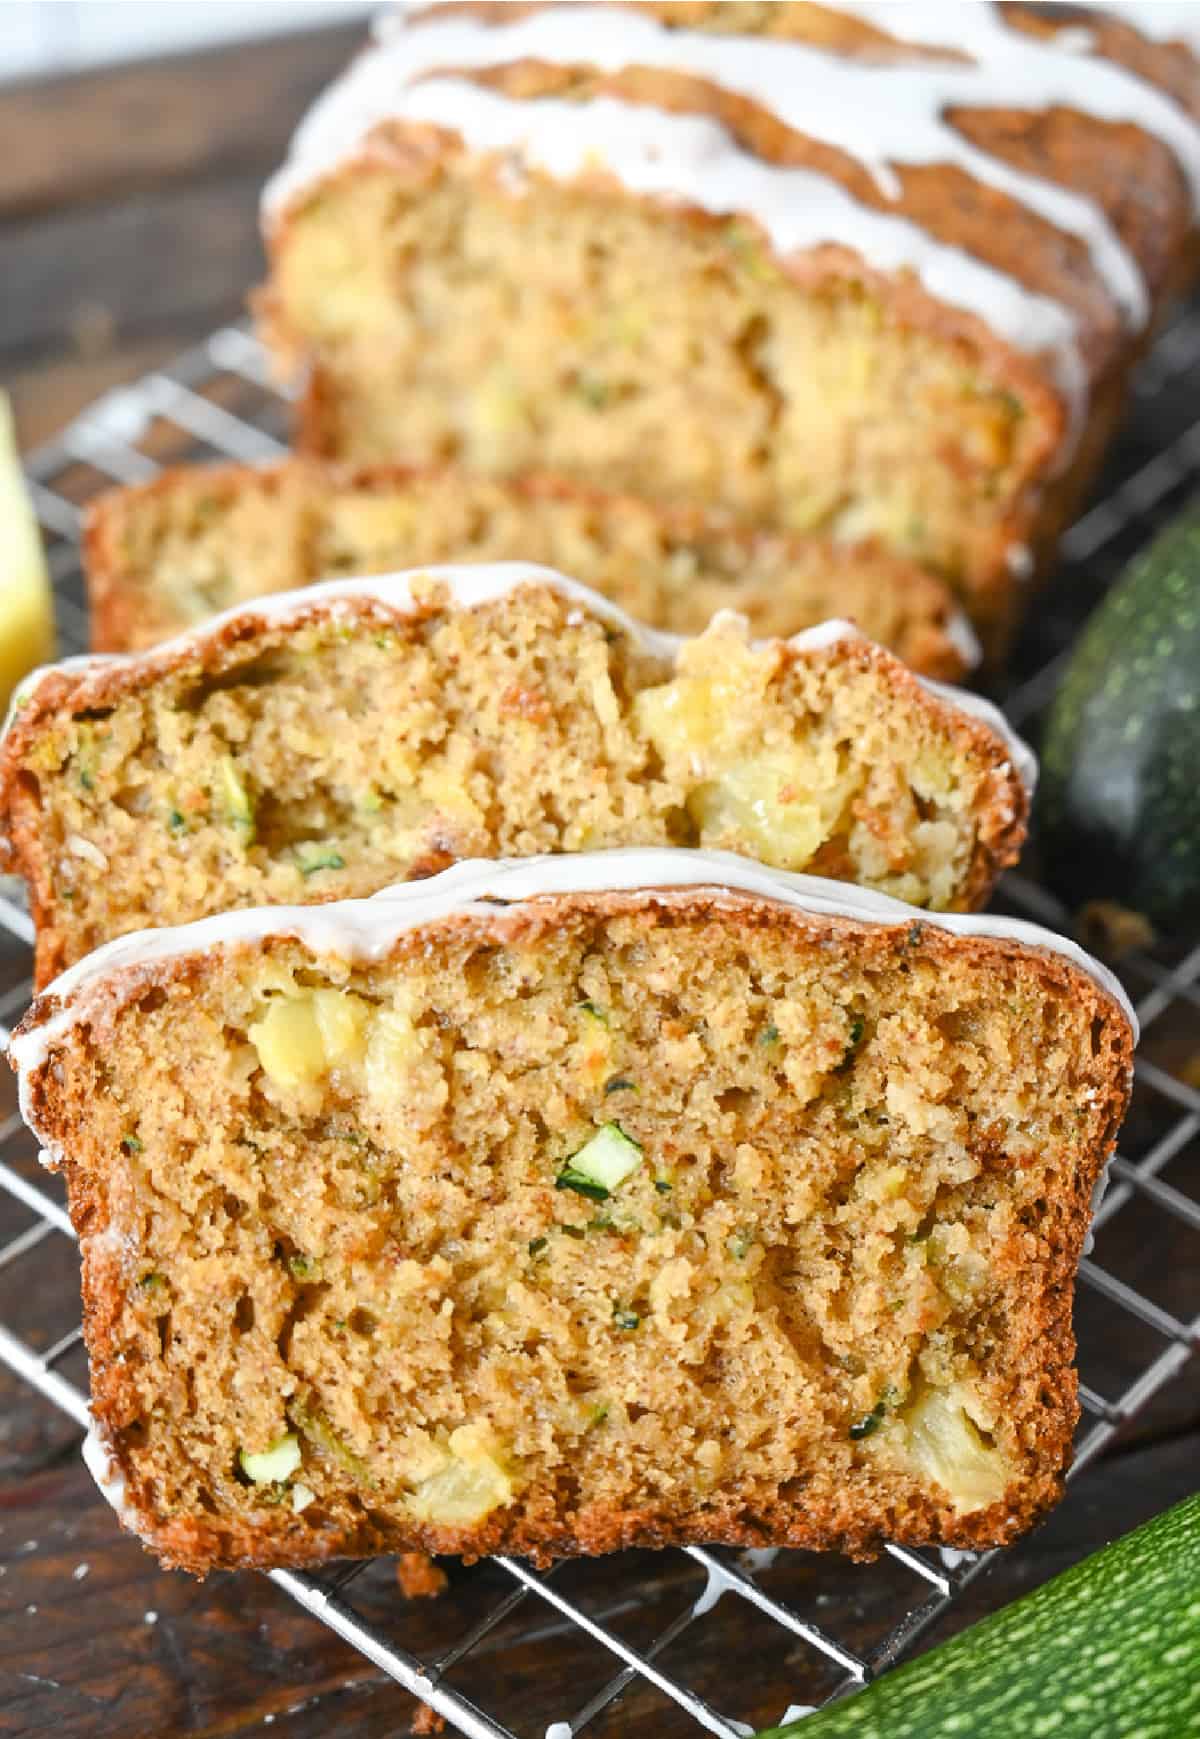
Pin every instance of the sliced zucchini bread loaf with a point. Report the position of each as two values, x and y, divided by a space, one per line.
165 555
551 1207
327 742
873 270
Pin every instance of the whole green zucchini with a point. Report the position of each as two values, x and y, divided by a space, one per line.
1118 811
1108 1650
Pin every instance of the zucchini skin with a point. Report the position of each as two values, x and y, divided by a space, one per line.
1118 811
1108 1650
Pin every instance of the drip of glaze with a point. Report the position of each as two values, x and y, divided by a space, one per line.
470 587
1099 1191
952 1557
962 637
756 1558
716 1582
110 1481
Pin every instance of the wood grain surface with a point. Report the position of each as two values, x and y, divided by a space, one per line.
129 210
128 231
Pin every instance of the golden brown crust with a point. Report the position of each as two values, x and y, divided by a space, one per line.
924 606
543 1525
1002 807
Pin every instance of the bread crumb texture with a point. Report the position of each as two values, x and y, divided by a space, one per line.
304 762
678 358
166 555
606 1220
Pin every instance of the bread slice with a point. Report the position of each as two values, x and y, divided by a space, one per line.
165 555
867 271
552 1207
358 733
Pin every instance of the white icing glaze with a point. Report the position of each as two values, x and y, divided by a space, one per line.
80 665
110 1481
716 1583
1159 20
1018 559
470 587
870 111
756 1558
366 930
1014 69
952 1557
1099 1191
1075 41
963 638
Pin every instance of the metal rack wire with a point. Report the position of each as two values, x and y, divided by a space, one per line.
216 401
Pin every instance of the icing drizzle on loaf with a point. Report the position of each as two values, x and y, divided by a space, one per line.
877 113
882 115
1161 20
367 930
470 586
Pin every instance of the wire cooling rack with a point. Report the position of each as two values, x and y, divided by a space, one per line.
217 401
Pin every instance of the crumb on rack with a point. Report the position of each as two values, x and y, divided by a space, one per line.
419 1577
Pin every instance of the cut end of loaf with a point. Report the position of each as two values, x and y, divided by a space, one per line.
700 372
164 556
603 1220
343 743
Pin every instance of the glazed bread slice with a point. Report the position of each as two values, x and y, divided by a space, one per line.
336 739
165 555
871 271
626 1200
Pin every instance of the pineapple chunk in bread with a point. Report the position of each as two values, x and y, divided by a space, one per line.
326 743
375 1258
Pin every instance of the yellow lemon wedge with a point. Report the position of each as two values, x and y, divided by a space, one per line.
26 610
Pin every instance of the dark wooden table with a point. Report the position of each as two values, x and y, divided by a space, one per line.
128 231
